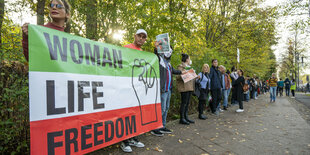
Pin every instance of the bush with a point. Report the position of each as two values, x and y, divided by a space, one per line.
14 108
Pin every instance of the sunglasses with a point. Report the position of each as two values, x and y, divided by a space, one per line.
58 6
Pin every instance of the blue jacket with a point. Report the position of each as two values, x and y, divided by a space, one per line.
215 76
287 83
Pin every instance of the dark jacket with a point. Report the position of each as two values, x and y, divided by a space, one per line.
239 83
215 76
163 73
287 83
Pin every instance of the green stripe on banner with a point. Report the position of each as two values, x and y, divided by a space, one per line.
55 51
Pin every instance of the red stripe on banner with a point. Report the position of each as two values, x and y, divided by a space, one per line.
85 133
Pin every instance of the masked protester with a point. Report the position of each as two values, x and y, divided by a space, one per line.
185 89
166 70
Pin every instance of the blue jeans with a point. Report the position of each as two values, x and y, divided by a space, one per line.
225 94
165 103
247 96
255 94
273 93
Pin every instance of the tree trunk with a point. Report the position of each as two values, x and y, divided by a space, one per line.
1 20
91 20
40 12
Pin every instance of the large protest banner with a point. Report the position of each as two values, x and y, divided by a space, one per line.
85 95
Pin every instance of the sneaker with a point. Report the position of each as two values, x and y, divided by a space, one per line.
157 133
125 147
221 110
256 98
165 130
135 142
239 110
225 108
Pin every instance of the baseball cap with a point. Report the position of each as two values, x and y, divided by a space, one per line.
141 31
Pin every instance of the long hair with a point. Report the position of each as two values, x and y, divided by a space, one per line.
204 66
67 8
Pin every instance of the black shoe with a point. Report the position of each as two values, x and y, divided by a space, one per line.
187 119
225 108
201 116
157 133
183 121
165 130
190 121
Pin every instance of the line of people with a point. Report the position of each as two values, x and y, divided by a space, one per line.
214 81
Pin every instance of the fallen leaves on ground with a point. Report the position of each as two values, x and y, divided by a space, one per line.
158 149
212 139
180 141
210 145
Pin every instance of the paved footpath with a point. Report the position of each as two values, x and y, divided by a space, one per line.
264 128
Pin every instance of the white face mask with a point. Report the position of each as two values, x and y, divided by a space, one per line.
168 54
190 62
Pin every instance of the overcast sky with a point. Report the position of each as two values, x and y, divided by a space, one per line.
283 32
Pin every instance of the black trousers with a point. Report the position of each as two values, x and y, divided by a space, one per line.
216 99
293 93
201 106
240 104
252 93
185 99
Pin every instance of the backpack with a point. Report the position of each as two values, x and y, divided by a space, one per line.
245 87
197 87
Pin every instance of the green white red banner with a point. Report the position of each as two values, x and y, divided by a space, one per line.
86 95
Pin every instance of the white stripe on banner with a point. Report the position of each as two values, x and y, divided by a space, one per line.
117 93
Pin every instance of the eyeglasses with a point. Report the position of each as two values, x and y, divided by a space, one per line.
58 6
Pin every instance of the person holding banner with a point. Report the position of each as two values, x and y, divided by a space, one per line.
166 71
140 38
185 89
59 12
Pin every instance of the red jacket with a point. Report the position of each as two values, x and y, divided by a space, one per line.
25 38
227 81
